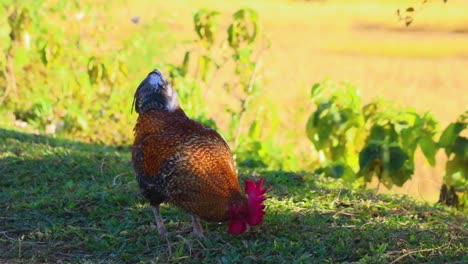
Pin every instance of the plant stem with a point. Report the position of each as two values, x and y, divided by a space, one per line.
245 102
10 77
210 82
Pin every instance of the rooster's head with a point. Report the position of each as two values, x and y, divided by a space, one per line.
249 213
155 93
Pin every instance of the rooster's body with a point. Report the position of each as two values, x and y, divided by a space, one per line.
178 160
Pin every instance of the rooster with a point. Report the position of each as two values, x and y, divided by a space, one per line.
179 161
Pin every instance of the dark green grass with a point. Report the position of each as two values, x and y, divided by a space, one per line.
64 201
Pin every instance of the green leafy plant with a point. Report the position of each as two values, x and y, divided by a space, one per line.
336 128
257 148
53 80
252 138
394 135
76 86
206 25
455 144
17 27
194 76
242 34
358 142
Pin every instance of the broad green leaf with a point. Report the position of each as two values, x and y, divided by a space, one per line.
206 25
123 68
337 170
185 64
96 70
430 123
429 149
369 171
50 50
310 127
244 28
324 129
342 170
401 176
387 180
410 138
460 147
463 118
456 172
254 130
370 152
316 90
205 65
370 110
320 126
377 133
397 158
450 134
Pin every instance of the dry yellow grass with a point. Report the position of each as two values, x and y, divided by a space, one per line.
424 66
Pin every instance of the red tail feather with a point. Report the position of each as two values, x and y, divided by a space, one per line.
255 198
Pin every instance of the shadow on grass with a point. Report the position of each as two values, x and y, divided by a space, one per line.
63 200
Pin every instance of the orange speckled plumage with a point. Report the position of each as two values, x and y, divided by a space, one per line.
178 160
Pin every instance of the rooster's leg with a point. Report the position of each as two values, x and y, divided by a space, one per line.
197 228
159 221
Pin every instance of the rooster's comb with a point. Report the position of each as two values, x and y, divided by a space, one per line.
255 198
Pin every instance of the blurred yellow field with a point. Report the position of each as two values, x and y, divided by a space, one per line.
359 41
